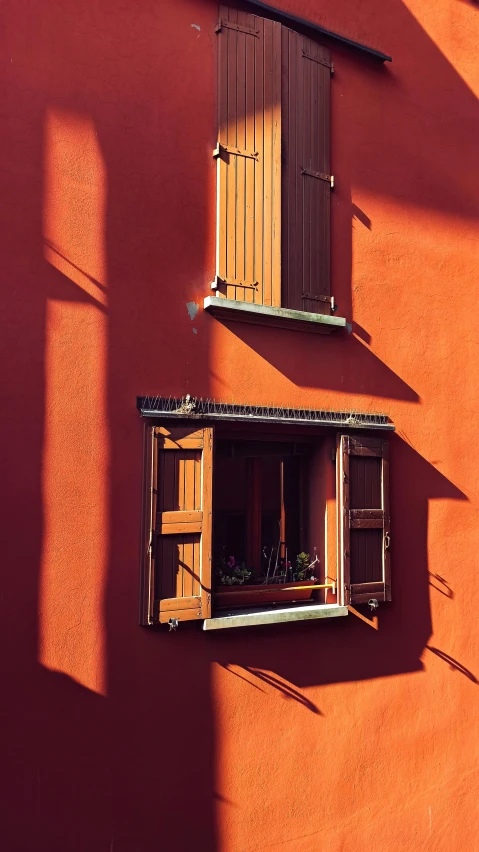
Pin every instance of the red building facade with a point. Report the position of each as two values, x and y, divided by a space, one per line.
339 733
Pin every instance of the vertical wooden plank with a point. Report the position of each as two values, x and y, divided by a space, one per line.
180 473
240 217
250 164
288 140
207 531
387 522
232 140
344 573
276 168
298 194
268 162
306 250
188 562
259 165
197 504
221 164
149 510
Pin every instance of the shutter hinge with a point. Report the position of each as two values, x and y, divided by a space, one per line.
317 298
235 282
238 27
238 152
319 175
319 61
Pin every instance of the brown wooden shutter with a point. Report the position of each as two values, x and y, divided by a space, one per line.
307 182
179 498
249 158
363 473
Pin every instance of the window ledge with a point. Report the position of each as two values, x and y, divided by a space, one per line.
248 617
232 310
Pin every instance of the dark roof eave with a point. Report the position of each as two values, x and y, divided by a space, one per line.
294 19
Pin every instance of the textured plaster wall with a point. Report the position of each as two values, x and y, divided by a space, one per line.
329 736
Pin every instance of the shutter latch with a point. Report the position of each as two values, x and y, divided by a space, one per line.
173 623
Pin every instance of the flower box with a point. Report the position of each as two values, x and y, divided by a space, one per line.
257 595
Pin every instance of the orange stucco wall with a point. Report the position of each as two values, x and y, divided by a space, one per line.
326 736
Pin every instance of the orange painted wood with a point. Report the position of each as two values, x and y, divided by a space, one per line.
249 173
191 517
181 574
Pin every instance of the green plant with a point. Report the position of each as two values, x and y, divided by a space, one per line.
302 565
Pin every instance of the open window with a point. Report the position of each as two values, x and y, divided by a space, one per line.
243 521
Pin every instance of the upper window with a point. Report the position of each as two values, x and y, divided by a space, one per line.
235 519
274 174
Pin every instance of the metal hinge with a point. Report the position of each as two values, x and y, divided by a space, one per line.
324 62
316 298
319 175
238 27
238 152
235 282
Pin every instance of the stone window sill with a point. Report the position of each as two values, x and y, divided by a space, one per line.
233 311
273 615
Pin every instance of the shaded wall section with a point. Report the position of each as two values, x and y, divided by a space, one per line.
330 736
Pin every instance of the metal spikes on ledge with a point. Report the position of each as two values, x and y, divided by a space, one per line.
189 407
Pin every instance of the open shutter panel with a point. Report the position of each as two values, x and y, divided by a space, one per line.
364 518
179 564
249 158
307 180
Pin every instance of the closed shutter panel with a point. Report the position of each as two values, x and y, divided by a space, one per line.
178 562
249 158
364 518
306 188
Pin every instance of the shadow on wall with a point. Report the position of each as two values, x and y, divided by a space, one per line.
81 770
356 652
341 362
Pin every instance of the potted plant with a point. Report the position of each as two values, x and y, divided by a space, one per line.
233 590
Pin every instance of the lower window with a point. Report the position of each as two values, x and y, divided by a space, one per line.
236 519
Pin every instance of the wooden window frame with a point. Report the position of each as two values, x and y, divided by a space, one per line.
198 521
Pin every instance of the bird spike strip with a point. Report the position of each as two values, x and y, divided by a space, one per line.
197 408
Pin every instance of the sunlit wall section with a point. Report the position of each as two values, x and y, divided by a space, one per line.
76 443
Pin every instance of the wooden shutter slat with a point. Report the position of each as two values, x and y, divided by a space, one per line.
306 174
177 517
249 172
363 485
180 474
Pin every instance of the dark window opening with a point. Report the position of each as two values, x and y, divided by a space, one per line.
260 521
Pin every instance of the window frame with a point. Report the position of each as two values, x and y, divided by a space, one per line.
173 613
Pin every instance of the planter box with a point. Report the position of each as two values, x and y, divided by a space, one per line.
256 595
